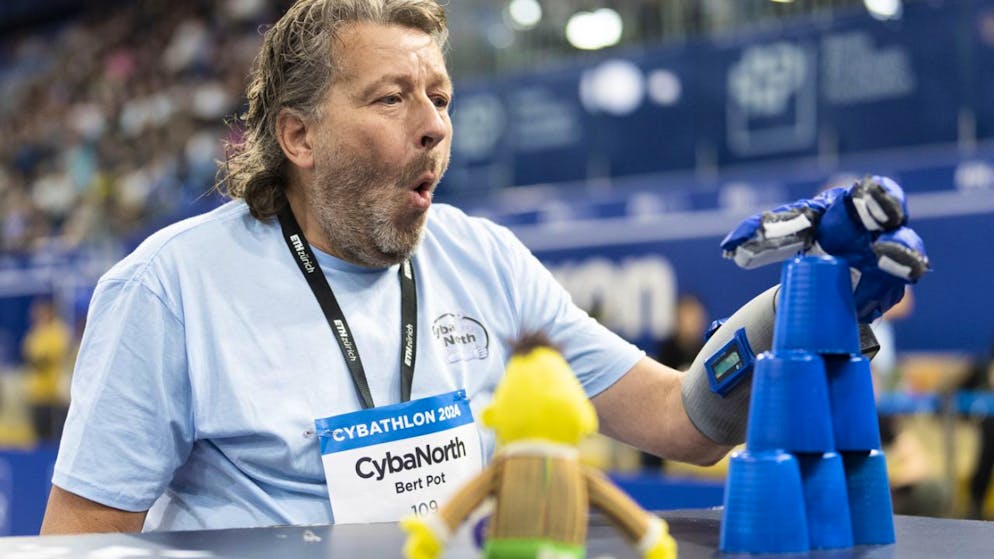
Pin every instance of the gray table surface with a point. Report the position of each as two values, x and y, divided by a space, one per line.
696 532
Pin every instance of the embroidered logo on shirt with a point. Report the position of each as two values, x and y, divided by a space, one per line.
462 337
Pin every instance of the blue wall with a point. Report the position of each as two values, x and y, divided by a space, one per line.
25 480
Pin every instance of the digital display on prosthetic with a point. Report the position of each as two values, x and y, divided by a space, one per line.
730 364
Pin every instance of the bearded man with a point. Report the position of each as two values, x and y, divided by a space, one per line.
259 364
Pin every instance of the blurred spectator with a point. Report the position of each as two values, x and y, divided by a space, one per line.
112 121
46 354
680 349
917 486
981 480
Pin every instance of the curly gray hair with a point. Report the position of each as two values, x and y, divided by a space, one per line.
293 71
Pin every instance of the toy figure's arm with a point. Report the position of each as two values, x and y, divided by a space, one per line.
427 535
649 533
463 502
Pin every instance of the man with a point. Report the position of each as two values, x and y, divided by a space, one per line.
332 287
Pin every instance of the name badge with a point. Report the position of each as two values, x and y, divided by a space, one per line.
384 463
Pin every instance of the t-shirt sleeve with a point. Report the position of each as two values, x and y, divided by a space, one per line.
130 422
598 356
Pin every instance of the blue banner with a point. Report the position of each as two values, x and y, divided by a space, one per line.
850 85
392 423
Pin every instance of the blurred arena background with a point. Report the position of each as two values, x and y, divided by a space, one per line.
620 139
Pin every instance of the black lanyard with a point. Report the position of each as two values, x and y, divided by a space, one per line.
308 265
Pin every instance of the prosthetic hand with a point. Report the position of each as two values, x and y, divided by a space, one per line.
863 224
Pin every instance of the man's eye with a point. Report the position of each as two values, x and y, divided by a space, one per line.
440 101
390 99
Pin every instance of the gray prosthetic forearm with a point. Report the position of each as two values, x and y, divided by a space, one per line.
723 418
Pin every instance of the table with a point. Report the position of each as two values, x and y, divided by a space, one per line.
695 530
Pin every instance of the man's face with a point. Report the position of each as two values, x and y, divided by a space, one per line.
382 143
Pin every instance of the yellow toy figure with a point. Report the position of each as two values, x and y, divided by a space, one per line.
542 493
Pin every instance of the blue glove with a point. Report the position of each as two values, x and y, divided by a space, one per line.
863 224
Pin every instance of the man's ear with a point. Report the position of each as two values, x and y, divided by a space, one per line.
291 131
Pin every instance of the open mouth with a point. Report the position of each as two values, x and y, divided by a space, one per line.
422 190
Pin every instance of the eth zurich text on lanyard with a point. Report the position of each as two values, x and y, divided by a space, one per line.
308 265
383 463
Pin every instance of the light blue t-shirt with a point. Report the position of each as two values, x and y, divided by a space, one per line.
206 359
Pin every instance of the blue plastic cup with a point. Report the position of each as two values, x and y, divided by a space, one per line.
854 411
826 500
816 311
790 407
869 498
764 505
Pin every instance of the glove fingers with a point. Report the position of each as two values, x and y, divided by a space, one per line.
795 223
880 204
774 237
754 254
900 261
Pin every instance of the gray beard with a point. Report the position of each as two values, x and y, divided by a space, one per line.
363 211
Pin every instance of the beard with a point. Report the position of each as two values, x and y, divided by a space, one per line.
363 206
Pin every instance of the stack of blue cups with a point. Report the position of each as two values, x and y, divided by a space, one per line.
812 475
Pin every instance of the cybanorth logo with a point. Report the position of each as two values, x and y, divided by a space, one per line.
463 338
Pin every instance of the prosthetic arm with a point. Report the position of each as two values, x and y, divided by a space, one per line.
863 224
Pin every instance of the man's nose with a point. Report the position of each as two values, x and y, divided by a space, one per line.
434 125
